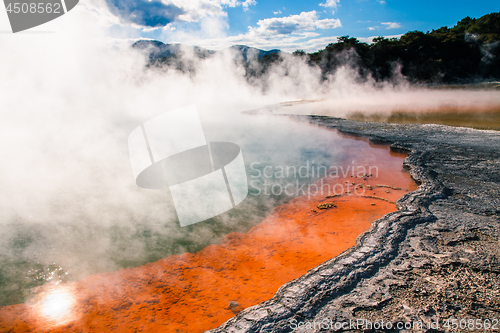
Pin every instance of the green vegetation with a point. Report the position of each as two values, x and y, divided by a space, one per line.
466 52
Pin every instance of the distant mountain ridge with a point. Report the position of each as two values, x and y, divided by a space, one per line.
158 50
250 52
465 53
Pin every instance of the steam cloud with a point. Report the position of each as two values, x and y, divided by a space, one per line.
68 102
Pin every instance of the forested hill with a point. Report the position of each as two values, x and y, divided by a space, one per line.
468 51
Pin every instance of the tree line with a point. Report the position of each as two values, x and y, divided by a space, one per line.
467 52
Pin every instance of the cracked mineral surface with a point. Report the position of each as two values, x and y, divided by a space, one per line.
434 260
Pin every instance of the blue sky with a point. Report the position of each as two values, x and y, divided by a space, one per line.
284 24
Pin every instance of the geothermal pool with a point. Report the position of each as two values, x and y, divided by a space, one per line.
483 118
312 191
462 106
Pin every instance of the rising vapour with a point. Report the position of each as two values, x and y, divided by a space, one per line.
69 98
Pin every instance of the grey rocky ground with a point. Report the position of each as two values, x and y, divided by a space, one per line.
435 259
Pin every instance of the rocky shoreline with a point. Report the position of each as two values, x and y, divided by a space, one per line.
435 259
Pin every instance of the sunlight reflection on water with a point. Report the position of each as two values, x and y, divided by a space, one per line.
55 305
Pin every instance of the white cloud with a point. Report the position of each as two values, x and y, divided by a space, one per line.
234 3
372 28
210 15
286 33
305 21
307 41
247 3
382 2
391 25
149 15
278 12
195 10
330 3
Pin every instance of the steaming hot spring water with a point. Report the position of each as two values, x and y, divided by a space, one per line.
126 264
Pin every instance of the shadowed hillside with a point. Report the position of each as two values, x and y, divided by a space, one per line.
467 52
